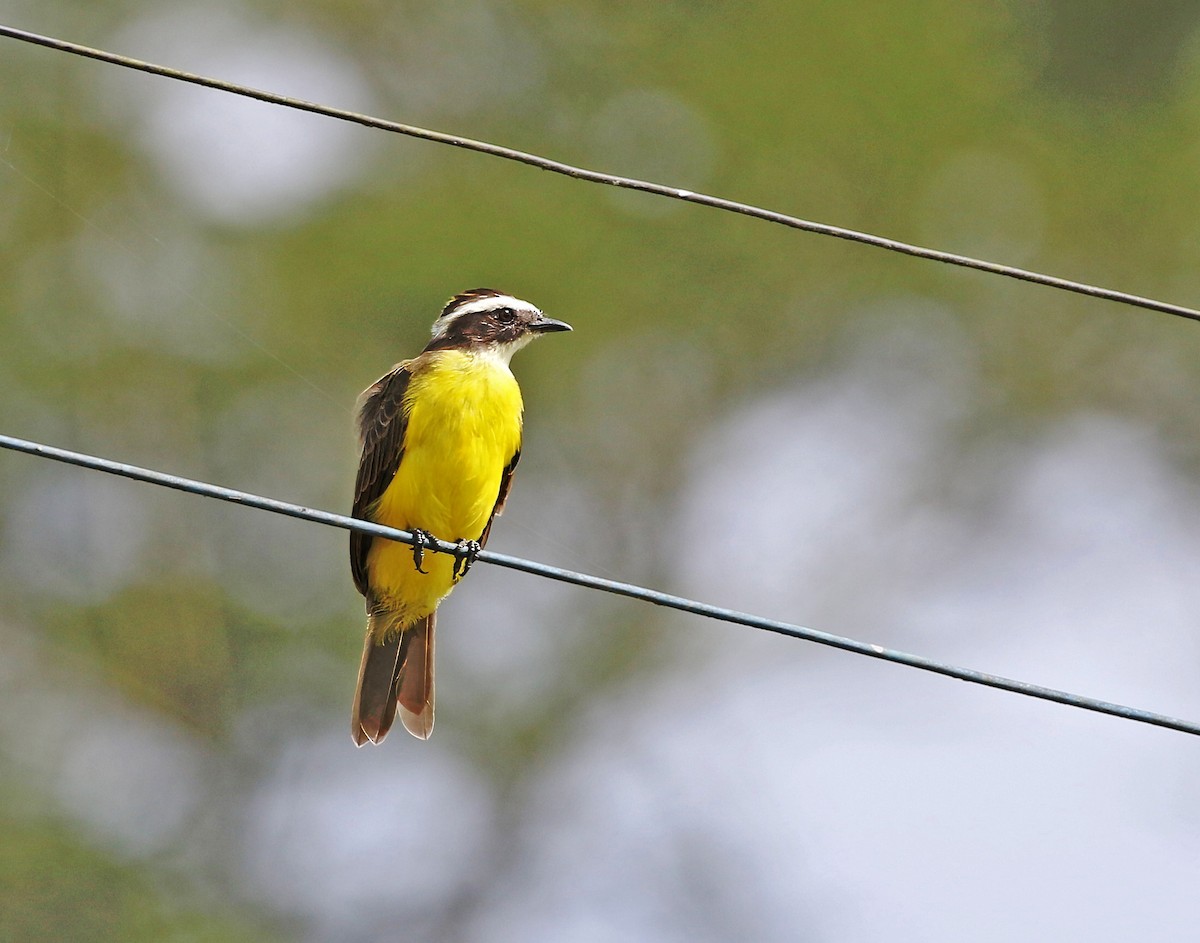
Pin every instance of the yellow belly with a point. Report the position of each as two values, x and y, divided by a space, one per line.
464 426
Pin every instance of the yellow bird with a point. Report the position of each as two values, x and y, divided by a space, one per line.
440 437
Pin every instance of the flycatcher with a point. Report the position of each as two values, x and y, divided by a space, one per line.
440 436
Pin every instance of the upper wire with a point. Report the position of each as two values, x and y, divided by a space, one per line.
631 590
613 180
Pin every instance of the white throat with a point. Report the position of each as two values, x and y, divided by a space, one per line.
502 353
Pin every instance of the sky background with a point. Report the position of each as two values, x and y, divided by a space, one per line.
981 471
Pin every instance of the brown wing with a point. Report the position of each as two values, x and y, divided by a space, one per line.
381 424
505 487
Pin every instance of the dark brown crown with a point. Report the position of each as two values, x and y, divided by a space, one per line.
471 294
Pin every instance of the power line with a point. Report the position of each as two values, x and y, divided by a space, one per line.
595 176
680 603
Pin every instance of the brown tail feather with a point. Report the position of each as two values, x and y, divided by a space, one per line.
374 703
414 679
396 672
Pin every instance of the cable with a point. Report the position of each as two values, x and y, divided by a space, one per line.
613 180
604 585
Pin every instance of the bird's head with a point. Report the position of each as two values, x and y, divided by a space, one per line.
483 318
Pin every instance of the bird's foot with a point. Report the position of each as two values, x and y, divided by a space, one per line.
465 555
422 540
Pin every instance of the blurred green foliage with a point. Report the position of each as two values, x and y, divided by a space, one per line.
134 323
54 886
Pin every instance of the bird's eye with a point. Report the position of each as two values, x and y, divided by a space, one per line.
506 315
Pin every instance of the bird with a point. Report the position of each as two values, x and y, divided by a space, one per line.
440 437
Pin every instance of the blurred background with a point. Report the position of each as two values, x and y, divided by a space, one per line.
978 470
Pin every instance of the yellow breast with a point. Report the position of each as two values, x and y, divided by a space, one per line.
464 426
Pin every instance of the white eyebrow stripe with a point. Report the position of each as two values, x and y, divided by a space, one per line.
442 324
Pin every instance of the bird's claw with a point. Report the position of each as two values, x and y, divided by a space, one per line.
421 540
465 555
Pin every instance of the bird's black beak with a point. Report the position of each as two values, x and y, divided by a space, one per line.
545 325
